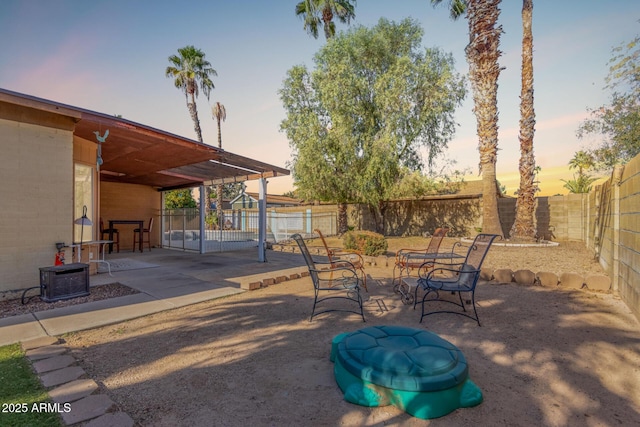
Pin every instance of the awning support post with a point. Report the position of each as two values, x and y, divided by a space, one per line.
262 221
203 201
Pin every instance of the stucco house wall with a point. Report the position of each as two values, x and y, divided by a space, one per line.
36 194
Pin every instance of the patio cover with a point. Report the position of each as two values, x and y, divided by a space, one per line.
138 154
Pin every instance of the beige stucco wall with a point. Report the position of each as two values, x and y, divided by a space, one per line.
36 168
130 201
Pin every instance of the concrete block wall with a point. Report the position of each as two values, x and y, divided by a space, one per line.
627 274
36 168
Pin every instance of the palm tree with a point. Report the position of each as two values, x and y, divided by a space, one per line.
582 161
482 55
219 113
322 12
191 73
524 227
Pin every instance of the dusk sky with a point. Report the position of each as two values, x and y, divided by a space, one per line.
110 56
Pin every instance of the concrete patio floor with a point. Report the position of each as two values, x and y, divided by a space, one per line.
180 278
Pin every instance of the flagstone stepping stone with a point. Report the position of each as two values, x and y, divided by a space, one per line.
412 369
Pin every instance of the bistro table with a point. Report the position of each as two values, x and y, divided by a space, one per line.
139 223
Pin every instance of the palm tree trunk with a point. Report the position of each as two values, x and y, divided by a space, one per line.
482 56
194 116
524 227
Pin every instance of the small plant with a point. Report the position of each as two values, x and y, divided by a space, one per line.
365 242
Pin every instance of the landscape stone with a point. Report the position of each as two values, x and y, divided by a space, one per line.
294 276
53 363
61 376
73 391
87 408
598 282
252 286
486 274
547 279
571 280
503 275
45 352
38 342
524 277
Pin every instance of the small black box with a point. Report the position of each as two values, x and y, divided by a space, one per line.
64 282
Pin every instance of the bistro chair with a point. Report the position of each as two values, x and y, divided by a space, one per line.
105 232
461 278
339 285
146 232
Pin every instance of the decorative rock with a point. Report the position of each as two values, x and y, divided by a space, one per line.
281 279
486 274
503 275
571 280
294 276
381 261
524 277
547 279
598 282
304 274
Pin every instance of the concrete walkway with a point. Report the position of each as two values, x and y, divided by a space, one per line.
179 279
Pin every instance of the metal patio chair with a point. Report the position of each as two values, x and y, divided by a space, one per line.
408 260
337 256
463 279
332 284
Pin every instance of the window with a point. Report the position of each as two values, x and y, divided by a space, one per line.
83 196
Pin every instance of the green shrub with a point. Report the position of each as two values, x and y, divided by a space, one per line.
365 242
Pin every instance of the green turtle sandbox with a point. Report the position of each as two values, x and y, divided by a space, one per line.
412 369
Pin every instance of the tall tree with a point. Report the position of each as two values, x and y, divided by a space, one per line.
482 55
359 120
524 226
619 122
191 73
219 114
321 12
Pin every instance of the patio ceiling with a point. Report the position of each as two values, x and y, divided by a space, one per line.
138 154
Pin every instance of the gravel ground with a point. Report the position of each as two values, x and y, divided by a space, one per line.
15 307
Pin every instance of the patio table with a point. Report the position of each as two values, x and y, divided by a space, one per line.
138 222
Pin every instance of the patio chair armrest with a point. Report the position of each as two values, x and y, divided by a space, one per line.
432 264
429 273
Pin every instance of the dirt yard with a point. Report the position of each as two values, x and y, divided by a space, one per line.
542 356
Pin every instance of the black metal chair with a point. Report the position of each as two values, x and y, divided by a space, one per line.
464 278
332 283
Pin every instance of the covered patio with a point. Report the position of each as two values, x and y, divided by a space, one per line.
133 159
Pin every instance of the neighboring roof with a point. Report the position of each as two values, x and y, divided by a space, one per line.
138 154
274 198
271 198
